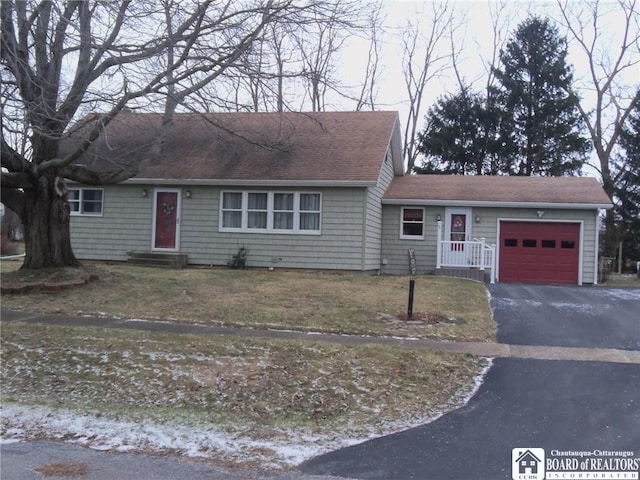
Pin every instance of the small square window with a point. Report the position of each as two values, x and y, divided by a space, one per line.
548 244
529 243
510 242
85 201
567 244
412 223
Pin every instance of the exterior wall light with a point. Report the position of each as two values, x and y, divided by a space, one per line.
144 192
438 217
540 213
188 193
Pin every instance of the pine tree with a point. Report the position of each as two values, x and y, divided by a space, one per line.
460 136
627 166
543 126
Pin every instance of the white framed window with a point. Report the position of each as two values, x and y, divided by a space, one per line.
86 201
283 211
270 212
310 212
412 223
257 210
232 210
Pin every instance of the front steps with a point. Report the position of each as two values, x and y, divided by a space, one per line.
471 273
158 259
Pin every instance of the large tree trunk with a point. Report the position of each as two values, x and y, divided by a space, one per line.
46 225
611 234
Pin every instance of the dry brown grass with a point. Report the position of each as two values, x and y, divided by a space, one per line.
310 301
247 387
624 280
69 469
240 384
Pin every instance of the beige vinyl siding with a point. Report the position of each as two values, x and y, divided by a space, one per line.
373 220
125 225
395 249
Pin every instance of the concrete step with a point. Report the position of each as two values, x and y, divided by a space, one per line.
156 259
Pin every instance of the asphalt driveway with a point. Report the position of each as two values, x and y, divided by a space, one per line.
523 403
567 316
563 405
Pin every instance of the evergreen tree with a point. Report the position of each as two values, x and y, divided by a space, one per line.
460 136
627 166
542 124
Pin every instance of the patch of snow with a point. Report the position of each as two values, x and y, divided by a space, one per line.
581 308
287 448
7 441
100 433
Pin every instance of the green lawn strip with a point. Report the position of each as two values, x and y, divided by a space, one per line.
309 301
239 384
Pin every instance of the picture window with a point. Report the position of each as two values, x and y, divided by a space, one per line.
270 212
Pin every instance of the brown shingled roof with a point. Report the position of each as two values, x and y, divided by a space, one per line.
440 189
319 146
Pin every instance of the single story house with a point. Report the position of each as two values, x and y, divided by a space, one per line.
322 190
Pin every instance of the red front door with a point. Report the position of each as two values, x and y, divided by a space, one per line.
166 221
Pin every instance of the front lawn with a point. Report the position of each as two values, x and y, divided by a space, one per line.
237 401
444 308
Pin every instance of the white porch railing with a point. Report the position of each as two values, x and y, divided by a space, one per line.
476 253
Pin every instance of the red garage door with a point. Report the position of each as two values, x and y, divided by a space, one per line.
539 252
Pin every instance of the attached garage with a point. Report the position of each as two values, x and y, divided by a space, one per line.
539 252
495 228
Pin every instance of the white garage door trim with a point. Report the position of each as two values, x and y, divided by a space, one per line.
537 220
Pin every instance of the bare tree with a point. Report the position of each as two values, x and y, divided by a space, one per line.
367 97
611 85
293 64
422 61
61 58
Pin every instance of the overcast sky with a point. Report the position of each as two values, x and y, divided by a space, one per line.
475 37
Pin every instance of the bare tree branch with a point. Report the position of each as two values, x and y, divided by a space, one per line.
421 64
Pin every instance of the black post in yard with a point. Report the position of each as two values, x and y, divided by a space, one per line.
412 284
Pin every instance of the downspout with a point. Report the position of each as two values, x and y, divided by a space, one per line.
363 249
